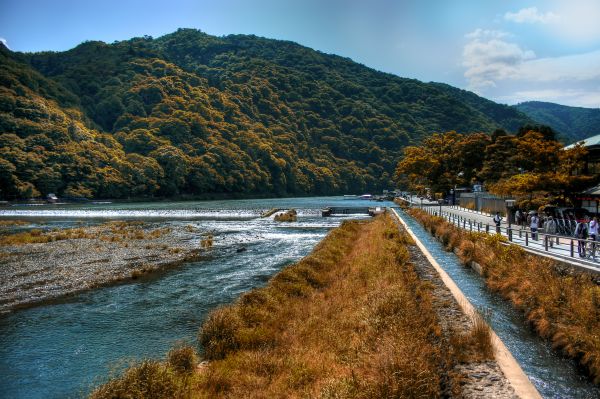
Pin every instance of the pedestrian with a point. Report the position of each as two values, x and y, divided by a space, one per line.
594 228
534 222
581 233
518 217
528 219
594 234
497 221
550 229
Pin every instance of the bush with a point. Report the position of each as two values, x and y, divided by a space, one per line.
218 334
150 379
182 359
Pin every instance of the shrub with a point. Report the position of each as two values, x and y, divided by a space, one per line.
218 334
150 379
182 359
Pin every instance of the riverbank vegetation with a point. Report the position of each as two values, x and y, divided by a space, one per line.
112 231
562 306
351 320
530 165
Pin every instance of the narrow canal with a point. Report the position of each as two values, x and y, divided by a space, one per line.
553 376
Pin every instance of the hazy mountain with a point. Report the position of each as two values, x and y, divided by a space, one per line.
572 123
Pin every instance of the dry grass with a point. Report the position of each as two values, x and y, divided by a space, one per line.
149 379
351 320
562 307
207 241
111 232
10 223
289 216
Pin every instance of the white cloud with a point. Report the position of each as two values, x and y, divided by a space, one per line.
500 69
488 61
531 15
486 33
3 41
579 22
577 67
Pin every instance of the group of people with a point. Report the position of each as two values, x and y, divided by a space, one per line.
531 220
585 228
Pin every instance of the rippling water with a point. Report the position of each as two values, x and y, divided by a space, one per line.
61 349
553 376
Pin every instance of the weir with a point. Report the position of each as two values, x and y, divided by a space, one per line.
345 210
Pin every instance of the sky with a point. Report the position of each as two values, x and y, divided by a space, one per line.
507 51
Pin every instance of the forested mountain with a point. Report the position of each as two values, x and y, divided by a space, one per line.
572 123
193 114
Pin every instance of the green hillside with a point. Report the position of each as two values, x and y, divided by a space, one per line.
572 123
189 114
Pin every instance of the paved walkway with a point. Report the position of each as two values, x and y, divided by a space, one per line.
564 249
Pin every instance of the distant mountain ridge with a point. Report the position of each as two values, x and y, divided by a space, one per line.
572 123
194 114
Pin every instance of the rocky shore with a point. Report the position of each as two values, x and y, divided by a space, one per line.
65 262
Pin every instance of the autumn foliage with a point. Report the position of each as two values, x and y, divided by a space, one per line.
531 165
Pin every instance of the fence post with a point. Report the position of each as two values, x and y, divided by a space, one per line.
572 249
487 228
526 239
520 233
546 243
509 231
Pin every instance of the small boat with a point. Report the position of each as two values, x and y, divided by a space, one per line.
326 212
366 196
51 198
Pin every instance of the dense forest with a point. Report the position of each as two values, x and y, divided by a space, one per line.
531 165
572 123
189 114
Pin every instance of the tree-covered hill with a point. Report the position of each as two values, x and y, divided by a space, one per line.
572 123
193 114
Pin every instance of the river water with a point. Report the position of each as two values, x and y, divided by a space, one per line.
62 349
553 376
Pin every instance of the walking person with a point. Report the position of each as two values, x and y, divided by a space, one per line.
581 233
551 230
534 223
519 218
497 221
593 227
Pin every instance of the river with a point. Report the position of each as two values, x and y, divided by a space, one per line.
62 349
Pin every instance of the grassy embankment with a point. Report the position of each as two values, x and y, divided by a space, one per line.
562 307
350 320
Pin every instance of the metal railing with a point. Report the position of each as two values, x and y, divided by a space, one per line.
552 244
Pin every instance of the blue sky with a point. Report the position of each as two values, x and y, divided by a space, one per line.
508 51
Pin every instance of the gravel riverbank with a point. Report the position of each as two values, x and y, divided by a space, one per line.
479 379
79 259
